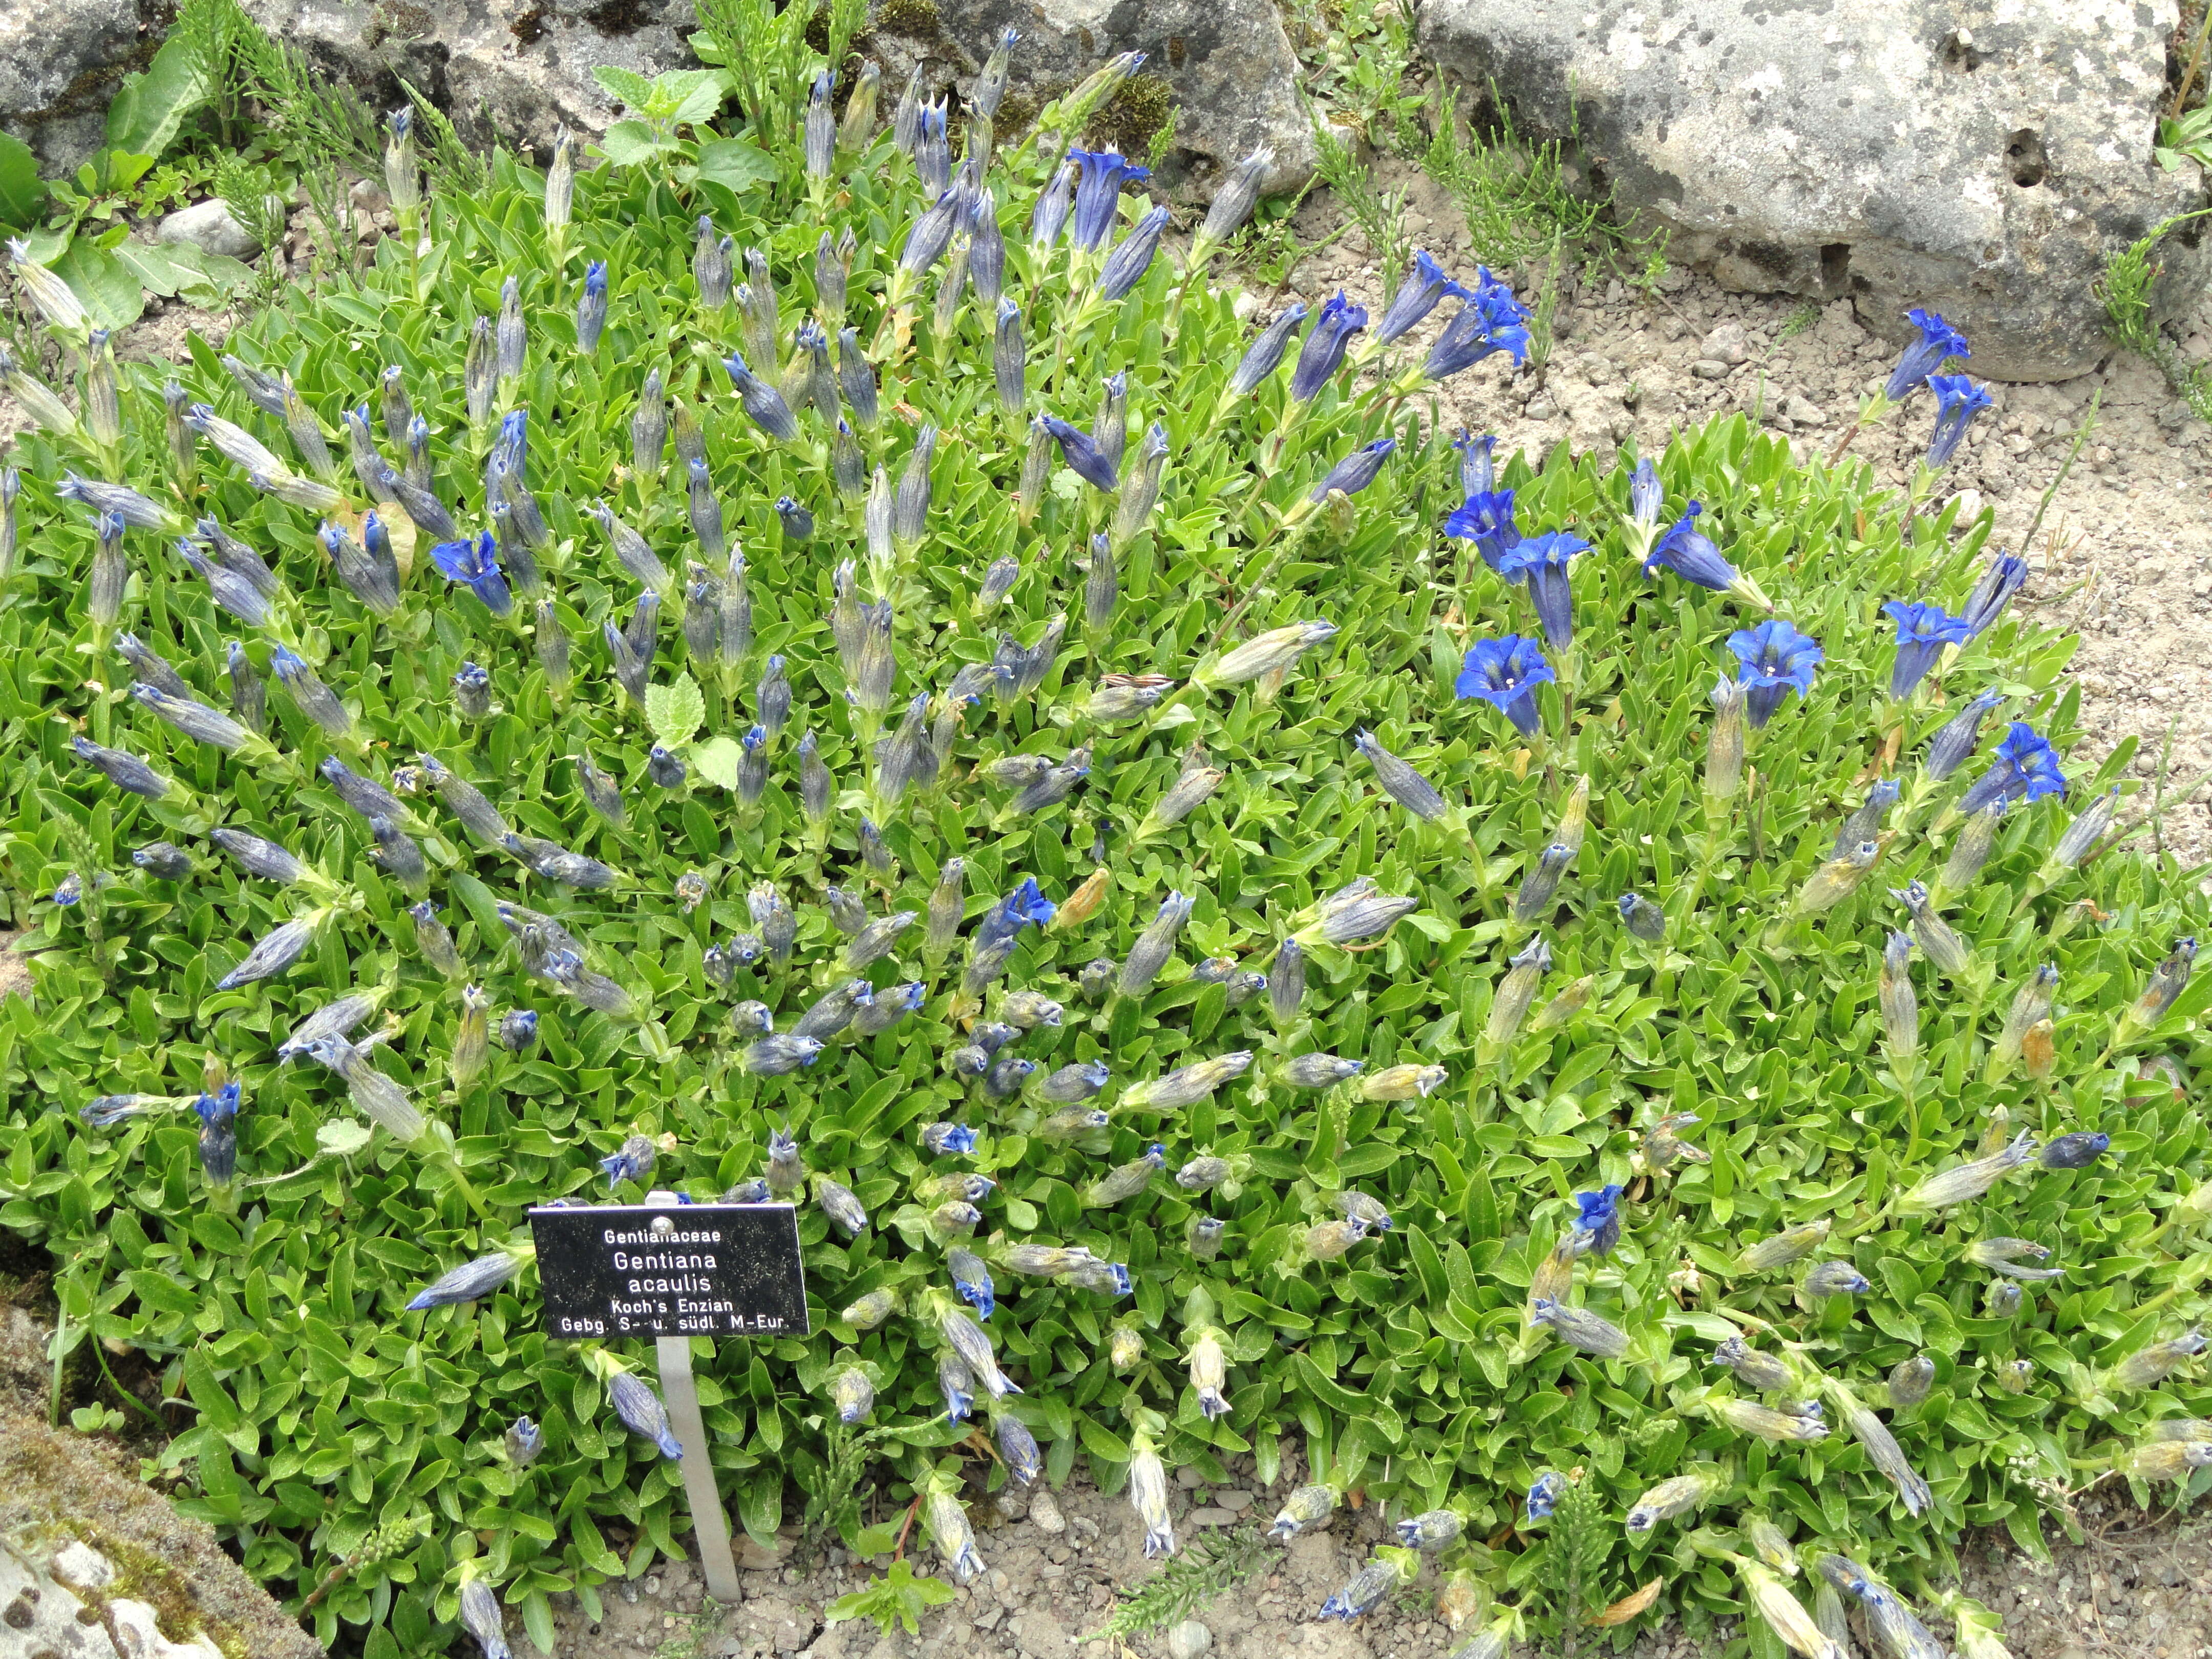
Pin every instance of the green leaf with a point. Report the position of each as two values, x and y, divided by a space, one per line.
675 711
148 107
537 1622
688 96
736 165
22 192
629 142
716 759
760 1506
626 87
106 286
341 1136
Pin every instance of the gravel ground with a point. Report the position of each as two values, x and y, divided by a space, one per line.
2134 1589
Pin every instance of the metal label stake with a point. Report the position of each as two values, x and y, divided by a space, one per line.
709 1522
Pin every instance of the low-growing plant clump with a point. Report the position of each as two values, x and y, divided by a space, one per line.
788 667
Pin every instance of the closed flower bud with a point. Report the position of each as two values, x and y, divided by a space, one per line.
1668 1499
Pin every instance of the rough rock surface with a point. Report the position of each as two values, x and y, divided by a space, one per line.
210 227
77 1527
59 60
1983 159
1228 63
518 68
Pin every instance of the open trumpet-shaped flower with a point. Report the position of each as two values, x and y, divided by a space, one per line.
1776 658
1506 671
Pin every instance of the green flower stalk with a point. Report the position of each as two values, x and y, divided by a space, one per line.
1938 939
1881 1448
2029 1005
1724 747
2148 1367
1671 1499
2167 981
1148 1495
1784 1614
1770 1544
1515 992
1900 1010
1307 1506
1790 1246
56 300
1401 1083
1837 879
471 1037
1761 1422
1209 1371
947 1525
1969 1181
103 408
37 399
2166 1460
1970 851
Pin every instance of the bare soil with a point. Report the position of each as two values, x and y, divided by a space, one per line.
2134 1589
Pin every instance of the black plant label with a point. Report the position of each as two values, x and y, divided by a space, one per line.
686 1270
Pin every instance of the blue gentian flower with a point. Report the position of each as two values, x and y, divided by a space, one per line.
1356 471
1923 631
1417 295
1691 555
1776 657
949 1139
1082 455
475 565
1485 518
591 307
1541 561
1049 216
1955 740
1597 1222
1957 400
1478 473
1938 341
798 522
1492 321
762 403
1025 906
1265 354
1132 257
1100 175
69 890
1506 671
2003 578
2075 1151
2026 770
1544 1494
466 1283
1325 347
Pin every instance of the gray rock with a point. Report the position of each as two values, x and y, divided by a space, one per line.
1726 344
59 63
1228 63
1189 1640
518 68
209 227
1708 368
81 1498
1875 148
1804 411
